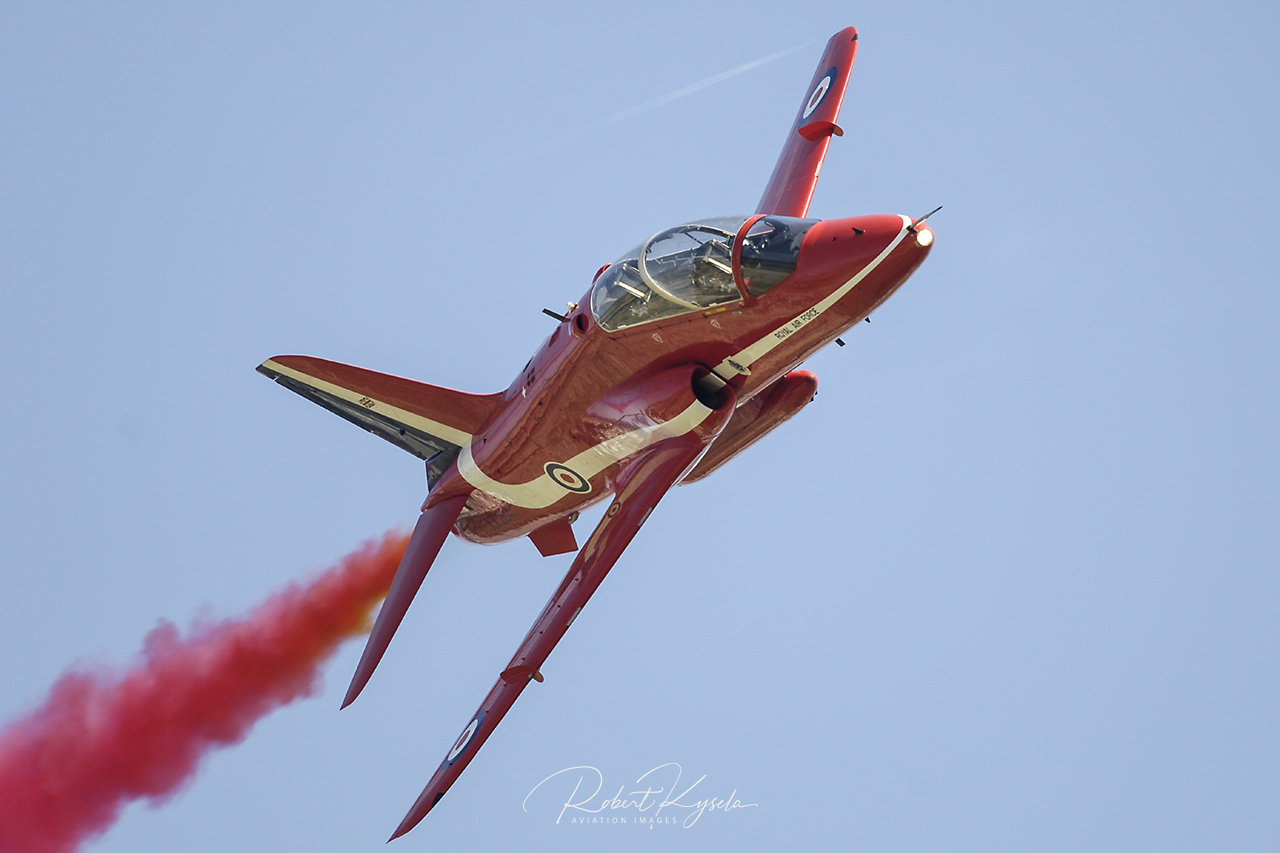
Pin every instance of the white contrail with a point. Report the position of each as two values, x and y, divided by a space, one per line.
701 84
636 110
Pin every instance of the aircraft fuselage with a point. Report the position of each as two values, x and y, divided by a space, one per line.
590 398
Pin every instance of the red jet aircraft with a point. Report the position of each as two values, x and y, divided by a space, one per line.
681 355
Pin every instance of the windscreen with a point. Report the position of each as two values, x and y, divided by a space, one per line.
683 269
770 251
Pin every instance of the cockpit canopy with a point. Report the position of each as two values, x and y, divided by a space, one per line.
690 268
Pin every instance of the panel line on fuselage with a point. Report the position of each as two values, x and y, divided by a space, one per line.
734 364
544 490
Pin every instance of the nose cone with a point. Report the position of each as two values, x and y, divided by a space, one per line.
884 244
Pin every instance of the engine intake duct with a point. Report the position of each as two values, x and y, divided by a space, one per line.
756 418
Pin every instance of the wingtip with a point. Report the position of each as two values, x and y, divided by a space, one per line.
420 810
428 535
409 822
356 686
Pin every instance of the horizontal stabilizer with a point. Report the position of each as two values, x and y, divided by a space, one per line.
430 422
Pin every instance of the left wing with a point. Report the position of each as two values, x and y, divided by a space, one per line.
795 176
638 490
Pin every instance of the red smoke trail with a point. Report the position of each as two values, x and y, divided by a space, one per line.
102 740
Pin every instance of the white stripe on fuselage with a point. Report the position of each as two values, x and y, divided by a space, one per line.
730 367
543 491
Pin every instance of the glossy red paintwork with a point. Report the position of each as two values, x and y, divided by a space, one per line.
584 388
428 535
756 418
628 414
555 538
640 484
795 176
568 397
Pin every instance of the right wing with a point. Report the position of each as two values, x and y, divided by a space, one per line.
638 490
795 176
430 422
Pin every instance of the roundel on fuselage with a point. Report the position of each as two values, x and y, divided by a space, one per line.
820 91
568 478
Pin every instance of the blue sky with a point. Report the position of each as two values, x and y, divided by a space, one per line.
1008 584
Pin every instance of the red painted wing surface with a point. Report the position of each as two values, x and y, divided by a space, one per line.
638 490
795 176
428 535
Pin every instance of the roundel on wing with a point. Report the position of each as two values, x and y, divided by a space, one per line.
820 91
465 738
568 478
